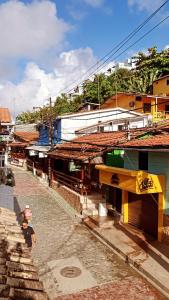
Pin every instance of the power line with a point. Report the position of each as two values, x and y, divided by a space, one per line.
119 45
131 45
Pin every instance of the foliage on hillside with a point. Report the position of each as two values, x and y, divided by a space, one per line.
149 66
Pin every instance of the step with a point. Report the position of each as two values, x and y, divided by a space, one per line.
89 206
102 222
90 212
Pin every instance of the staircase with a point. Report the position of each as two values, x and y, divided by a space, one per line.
90 204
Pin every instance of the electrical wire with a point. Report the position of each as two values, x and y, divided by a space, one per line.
119 45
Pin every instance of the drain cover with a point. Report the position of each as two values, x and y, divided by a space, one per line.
70 272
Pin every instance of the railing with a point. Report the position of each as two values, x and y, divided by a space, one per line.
69 181
29 164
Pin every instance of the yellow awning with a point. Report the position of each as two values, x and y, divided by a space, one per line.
138 182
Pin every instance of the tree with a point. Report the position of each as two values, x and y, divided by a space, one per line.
98 89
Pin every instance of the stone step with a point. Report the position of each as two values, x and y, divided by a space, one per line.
89 206
90 212
102 222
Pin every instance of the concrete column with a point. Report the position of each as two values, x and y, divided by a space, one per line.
125 206
161 206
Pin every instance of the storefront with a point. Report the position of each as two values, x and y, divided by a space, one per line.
142 197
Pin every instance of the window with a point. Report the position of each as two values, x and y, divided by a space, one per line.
120 127
143 161
101 128
167 81
147 107
138 98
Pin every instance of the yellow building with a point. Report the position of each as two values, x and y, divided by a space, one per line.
161 86
139 190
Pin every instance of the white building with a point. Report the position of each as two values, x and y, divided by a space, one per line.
112 119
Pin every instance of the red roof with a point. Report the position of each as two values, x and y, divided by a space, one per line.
159 140
88 146
27 136
18 144
5 116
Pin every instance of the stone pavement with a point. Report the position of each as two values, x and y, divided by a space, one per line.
135 249
69 257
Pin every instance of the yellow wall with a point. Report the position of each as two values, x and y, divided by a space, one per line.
160 87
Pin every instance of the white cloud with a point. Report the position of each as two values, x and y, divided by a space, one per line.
30 30
166 47
149 5
37 85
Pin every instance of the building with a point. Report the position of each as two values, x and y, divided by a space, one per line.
140 186
17 149
161 87
156 105
6 130
134 120
73 172
67 126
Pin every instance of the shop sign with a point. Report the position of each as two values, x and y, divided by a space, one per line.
146 184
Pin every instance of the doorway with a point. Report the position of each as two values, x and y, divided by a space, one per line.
115 198
143 212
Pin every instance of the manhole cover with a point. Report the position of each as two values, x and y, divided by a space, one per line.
70 272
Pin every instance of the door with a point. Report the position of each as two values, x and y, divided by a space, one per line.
115 198
143 212
134 209
150 214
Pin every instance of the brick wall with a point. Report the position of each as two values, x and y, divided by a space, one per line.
70 196
166 229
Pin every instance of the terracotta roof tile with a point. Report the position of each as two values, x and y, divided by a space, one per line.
88 146
153 141
27 136
5 116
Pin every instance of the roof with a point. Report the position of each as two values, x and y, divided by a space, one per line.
39 148
27 136
154 141
18 144
114 121
88 146
20 278
163 77
96 111
5 116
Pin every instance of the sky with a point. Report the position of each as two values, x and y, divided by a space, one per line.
47 46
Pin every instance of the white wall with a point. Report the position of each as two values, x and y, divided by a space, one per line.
71 123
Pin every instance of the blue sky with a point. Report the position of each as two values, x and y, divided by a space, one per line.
46 45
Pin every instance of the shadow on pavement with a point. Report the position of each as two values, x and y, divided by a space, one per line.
17 210
145 245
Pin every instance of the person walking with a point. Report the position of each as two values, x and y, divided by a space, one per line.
29 234
27 214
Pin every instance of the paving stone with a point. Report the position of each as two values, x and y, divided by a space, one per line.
60 237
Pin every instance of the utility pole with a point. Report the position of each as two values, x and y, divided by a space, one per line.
50 122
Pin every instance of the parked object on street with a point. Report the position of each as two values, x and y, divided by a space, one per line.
29 234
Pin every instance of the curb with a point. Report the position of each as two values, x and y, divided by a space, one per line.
137 267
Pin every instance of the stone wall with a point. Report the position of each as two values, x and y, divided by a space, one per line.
18 276
70 196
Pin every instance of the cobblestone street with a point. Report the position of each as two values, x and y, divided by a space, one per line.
63 242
